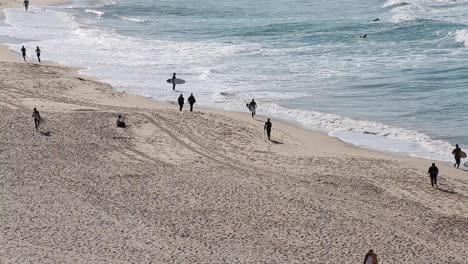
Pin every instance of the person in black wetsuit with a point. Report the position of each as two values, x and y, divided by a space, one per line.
173 81
457 155
37 118
26 4
433 172
191 100
38 53
267 127
23 51
181 101
253 107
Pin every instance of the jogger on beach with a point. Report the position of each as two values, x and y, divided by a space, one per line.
181 101
23 51
191 100
457 155
38 53
433 172
37 118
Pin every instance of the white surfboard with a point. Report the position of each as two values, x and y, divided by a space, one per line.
177 81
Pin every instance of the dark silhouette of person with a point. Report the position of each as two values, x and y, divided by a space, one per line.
38 53
26 4
191 100
267 127
23 51
433 172
457 154
253 107
173 81
181 101
371 258
120 122
37 118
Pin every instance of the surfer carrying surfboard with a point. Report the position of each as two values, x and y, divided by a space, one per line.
457 153
173 81
252 107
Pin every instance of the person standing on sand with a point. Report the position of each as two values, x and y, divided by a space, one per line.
371 258
23 51
26 5
457 154
267 127
38 53
37 118
181 101
191 100
253 107
433 172
173 81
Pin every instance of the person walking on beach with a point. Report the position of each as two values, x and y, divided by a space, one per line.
267 127
26 5
181 101
173 81
37 118
433 172
371 258
38 53
191 100
457 154
23 51
253 107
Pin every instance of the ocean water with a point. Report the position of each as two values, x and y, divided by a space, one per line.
404 88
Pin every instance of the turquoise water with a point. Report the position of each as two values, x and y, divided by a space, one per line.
403 88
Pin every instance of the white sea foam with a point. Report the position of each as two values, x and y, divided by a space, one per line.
96 12
132 19
461 36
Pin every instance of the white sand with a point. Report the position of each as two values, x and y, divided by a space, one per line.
203 187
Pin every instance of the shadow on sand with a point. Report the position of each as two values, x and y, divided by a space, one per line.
47 134
277 142
446 191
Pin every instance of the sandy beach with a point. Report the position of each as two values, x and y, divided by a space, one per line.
203 186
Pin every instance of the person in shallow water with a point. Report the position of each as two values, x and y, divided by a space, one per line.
26 4
173 81
371 258
191 100
457 155
433 172
267 128
181 102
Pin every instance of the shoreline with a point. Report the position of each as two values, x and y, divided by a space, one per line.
203 186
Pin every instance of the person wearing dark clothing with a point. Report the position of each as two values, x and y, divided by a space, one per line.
120 122
371 258
37 118
181 101
26 4
23 51
253 107
191 100
173 81
457 154
433 172
38 53
267 127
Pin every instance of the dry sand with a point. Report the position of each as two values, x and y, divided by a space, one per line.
203 187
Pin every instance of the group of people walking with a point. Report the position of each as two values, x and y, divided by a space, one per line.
38 53
191 101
